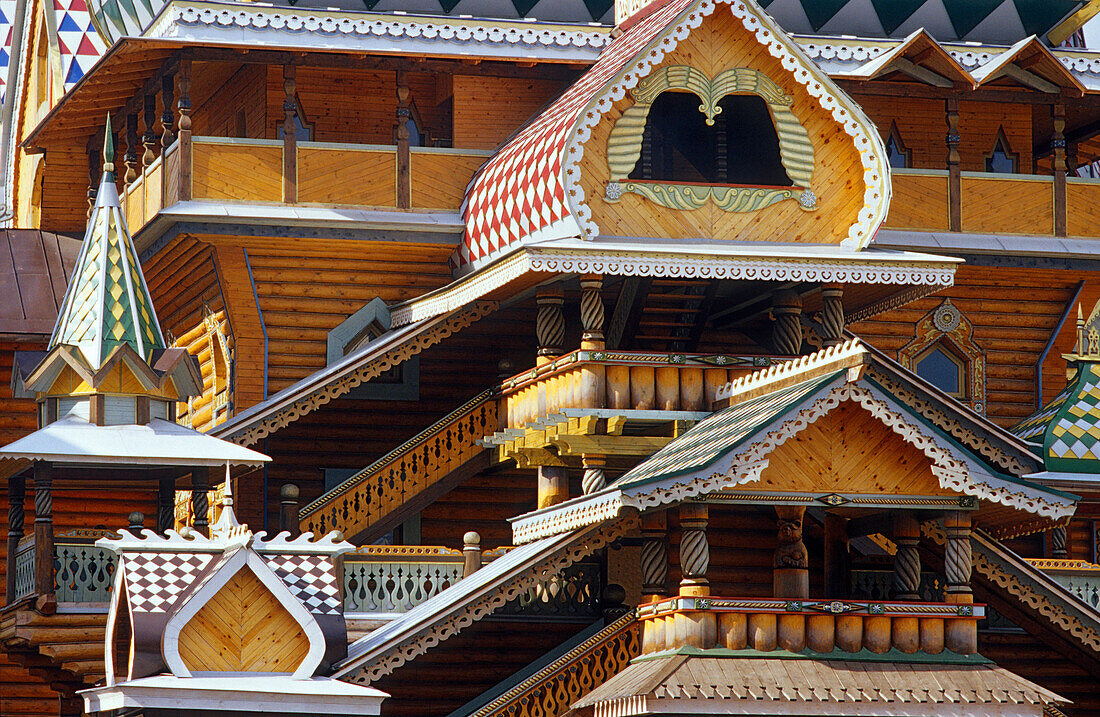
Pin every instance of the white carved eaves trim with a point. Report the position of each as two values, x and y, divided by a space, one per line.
315 399
286 26
855 124
464 292
841 356
379 666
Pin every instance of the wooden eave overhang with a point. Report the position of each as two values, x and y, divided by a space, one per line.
1031 64
919 57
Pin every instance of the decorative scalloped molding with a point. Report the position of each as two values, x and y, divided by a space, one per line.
893 302
283 544
816 82
251 433
842 355
395 657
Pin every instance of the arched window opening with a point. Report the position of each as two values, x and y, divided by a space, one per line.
741 147
897 154
943 369
1002 160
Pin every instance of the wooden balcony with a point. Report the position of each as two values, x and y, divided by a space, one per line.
324 174
820 626
1079 577
993 203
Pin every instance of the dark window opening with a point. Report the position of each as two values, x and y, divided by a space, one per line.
943 370
1001 160
741 147
896 152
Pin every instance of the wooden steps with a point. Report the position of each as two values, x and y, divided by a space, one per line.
670 319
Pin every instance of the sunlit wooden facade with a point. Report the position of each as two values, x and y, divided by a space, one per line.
570 359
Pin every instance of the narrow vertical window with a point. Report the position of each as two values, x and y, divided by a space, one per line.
898 155
1001 160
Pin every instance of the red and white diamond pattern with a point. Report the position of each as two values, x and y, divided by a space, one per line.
521 189
79 43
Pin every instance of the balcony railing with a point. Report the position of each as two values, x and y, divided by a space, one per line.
83 573
224 169
1079 577
820 626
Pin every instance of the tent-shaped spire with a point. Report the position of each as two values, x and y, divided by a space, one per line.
107 303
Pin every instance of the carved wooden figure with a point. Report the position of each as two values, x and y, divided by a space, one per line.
791 575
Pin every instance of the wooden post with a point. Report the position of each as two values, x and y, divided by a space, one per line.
787 323
654 556
1058 147
694 628
290 137
94 154
791 567
17 493
471 553
288 509
43 532
149 139
837 579
958 557
593 377
404 158
549 322
1058 542
131 158
907 557
166 504
832 314
954 173
184 107
594 478
553 485
167 118
200 502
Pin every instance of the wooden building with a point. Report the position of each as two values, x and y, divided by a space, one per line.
686 355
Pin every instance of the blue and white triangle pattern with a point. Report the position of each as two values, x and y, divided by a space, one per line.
7 15
77 40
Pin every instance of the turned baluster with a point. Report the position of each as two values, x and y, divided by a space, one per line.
183 105
43 533
290 139
149 139
131 158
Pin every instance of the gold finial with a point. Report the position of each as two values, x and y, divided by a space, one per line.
108 149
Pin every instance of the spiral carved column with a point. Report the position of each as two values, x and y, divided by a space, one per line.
1058 542
832 315
17 493
654 556
693 628
549 323
200 503
907 558
787 323
166 504
592 312
958 557
594 478
43 530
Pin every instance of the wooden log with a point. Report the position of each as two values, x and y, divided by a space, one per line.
931 635
592 386
733 630
905 634
821 633
849 633
961 636
713 379
618 386
652 635
667 383
553 485
762 629
696 629
791 633
692 393
642 396
876 633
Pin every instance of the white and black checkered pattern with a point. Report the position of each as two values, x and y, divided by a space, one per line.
155 580
312 578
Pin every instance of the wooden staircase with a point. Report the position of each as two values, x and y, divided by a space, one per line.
405 480
671 314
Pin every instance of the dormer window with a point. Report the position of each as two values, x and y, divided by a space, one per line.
1001 160
731 140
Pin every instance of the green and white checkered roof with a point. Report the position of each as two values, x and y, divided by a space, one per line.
1066 432
107 303
719 434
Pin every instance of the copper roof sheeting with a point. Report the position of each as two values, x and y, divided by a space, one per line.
646 685
34 270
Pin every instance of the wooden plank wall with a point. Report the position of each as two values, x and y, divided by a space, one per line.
64 191
231 100
348 176
237 172
487 110
1013 311
248 333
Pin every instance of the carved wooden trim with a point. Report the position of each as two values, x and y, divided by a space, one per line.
946 324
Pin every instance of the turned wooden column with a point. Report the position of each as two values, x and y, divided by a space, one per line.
787 323
17 494
549 322
958 557
654 556
594 478
837 559
149 139
1058 542
694 628
791 564
907 557
954 173
43 530
1058 161
288 509
471 553
131 157
290 135
166 505
167 118
200 502
592 312
553 485
183 104
832 315
404 157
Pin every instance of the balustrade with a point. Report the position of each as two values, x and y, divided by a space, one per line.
879 585
83 573
1079 577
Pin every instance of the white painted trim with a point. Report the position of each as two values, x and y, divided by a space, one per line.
241 558
311 144
452 151
237 141
1008 177
112 618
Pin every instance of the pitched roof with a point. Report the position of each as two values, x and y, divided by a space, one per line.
661 684
107 303
34 269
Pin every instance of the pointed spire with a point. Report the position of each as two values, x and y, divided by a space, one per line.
107 303
227 521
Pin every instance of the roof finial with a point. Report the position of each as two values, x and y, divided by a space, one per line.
109 150
1080 348
227 521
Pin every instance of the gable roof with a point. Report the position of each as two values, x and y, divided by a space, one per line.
529 190
34 269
